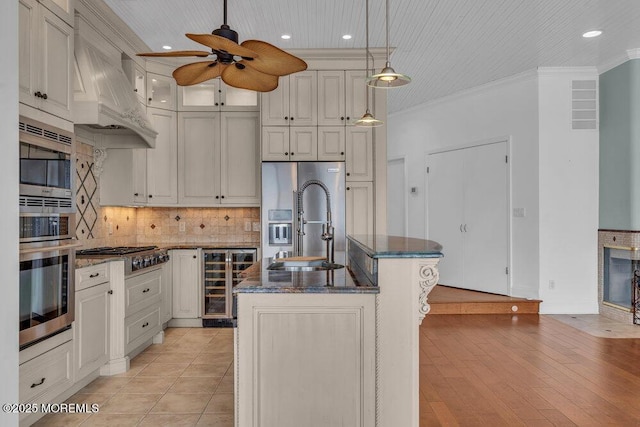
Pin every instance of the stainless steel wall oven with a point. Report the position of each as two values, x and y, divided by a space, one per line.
47 231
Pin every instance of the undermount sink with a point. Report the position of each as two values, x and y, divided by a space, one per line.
304 266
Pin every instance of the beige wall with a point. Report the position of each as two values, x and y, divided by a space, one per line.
123 226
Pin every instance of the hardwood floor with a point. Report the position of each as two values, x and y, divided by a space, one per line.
529 370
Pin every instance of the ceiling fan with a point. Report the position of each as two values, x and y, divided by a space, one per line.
252 64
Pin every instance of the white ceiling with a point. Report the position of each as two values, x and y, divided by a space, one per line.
444 45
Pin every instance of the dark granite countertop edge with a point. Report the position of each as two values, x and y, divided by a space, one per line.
395 253
257 289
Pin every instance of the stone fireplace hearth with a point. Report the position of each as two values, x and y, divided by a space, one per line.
618 258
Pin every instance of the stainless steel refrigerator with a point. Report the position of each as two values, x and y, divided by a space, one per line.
322 184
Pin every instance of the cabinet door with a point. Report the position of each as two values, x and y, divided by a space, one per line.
303 99
63 8
240 158
91 329
28 31
161 91
117 182
359 210
162 163
186 284
303 143
275 143
199 158
137 76
166 306
359 160
331 107
356 95
274 109
139 174
56 65
331 143
201 97
445 213
236 99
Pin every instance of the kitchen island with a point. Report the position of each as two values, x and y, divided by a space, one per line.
335 347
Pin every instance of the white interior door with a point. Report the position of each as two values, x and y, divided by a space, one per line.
397 197
445 213
485 218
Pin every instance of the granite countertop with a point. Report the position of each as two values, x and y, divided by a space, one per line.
260 280
383 246
220 245
88 262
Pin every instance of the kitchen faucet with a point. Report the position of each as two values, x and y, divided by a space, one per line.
327 228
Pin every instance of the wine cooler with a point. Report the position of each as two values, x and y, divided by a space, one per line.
221 272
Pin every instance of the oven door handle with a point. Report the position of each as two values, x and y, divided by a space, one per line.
50 248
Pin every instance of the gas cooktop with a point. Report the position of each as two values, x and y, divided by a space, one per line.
115 250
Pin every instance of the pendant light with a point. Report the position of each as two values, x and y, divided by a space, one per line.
388 78
367 120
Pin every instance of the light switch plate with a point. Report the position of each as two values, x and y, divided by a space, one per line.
256 226
247 226
182 227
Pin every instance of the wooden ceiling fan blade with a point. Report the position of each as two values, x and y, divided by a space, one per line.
222 44
199 53
237 75
197 72
272 60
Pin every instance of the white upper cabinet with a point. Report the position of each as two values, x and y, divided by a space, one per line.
161 91
359 154
356 95
218 158
303 143
296 143
62 8
45 59
214 95
162 164
331 143
124 177
331 98
138 78
198 158
293 102
359 208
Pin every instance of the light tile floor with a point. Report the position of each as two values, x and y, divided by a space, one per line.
599 326
186 381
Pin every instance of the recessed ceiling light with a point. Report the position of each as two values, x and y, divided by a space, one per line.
590 34
347 37
285 36
166 47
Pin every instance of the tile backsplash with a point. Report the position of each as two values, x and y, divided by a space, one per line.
123 226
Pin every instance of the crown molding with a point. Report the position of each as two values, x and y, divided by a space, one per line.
567 70
619 60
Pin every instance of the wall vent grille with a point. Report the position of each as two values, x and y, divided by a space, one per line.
584 105
45 202
44 133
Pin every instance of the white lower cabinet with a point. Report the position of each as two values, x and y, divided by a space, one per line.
187 273
323 344
91 329
167 293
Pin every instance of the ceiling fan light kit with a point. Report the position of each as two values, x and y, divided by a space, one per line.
388 78
367 120
252 64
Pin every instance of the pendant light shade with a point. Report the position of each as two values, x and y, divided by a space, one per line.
367 120
388 78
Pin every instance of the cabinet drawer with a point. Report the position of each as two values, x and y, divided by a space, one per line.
92 275
142 327
142 291
44 377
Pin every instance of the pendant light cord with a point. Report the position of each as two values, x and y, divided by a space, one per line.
367 50
387 25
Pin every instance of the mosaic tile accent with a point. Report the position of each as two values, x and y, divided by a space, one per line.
86 200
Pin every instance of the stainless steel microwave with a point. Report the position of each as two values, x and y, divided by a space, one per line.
46 165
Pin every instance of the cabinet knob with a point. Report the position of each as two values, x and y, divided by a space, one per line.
217 197
135 90
91 276
38 94
222 103
348 188
222 197
194 257
145 324
348 174
44 96
151 195
144 291
136 194
286 118
341 118
110 292
150 99
216 104
342 153
291 118
348 117
292 153
286 153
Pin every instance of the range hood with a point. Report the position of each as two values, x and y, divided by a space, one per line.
106 111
